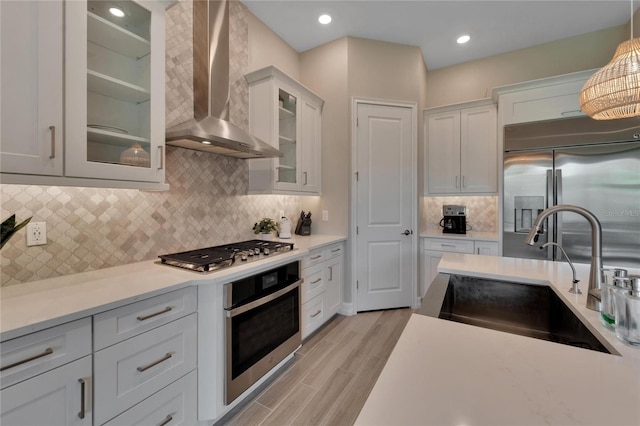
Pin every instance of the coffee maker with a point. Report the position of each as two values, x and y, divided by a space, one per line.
454 219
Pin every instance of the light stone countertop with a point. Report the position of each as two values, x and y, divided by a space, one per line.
447 373
37 305
470 235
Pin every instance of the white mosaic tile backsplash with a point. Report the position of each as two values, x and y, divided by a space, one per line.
482 212
94 228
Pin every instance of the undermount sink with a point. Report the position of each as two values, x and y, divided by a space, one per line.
524 309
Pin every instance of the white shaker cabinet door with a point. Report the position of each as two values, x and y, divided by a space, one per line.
443 152
58 397
478 149
31 132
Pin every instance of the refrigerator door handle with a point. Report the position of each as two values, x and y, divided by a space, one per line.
549 221
558 217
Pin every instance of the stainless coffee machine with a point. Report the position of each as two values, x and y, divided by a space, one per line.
454 219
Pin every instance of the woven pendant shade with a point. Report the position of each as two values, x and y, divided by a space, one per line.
614 91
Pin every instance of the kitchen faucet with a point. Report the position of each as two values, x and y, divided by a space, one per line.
574 288
595 273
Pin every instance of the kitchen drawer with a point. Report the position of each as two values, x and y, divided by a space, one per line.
443 244
313 315
314 257
35 353
173 405
127 321
334 250
314 283
130 371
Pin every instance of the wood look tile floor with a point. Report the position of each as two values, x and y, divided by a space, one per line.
331 376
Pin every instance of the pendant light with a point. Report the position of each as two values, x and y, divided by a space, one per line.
613 92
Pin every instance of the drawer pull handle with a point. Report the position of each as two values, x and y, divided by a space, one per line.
46 352
316 281
53 142
153 364
82 410
330 273
166 420
164 311
447 245
316 257
316 314
335 250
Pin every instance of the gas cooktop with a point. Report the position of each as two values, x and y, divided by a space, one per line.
212 258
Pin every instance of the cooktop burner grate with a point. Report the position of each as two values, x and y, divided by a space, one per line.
212 258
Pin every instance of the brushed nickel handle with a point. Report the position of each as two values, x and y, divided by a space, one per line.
316 257
335 250
407 232
456 181
305 177
53 142
155 314
46 352
154 363
330 273
82 409
448 245
316 314
316 281
464 185
166 420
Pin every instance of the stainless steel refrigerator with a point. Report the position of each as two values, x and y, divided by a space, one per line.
579 161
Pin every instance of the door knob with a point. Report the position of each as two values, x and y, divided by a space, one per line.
407 232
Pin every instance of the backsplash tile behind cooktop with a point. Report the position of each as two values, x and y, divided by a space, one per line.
94 228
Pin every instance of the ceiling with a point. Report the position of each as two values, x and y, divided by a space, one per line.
433 25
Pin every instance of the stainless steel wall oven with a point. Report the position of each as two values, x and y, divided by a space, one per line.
262 325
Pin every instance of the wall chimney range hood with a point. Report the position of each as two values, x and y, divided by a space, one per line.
210 130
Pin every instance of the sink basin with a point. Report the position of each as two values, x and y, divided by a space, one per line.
528 310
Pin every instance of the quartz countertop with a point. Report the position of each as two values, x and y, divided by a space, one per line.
37 305
442 372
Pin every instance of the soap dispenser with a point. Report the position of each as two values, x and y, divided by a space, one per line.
628 313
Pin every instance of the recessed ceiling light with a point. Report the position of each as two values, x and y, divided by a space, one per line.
206 142
324 19
463 39
116 12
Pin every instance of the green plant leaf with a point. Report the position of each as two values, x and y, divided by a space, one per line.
8 228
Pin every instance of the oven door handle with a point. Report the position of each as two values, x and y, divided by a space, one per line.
244 308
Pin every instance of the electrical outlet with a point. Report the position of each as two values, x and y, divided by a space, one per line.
325 215
36 233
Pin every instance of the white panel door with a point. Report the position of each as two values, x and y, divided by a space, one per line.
385 192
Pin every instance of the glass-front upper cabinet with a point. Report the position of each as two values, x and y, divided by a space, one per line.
286 169
117 90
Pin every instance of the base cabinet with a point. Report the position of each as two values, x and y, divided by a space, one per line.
322 271
434 248
58 397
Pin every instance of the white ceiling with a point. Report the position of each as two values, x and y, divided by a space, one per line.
433 25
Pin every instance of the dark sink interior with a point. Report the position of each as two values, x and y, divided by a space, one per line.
524 309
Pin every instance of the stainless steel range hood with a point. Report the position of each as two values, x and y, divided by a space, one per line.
210 129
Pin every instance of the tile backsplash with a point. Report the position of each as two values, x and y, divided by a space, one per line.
94 228
482 212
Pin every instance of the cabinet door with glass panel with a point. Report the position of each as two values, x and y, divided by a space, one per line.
115 90
286 167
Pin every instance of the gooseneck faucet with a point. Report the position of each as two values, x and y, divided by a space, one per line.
595 273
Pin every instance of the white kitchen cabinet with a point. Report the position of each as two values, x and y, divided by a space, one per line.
46 376
31 90
461 149
323 274
58 397
544 99
433 248
287 115
113 132
148 350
